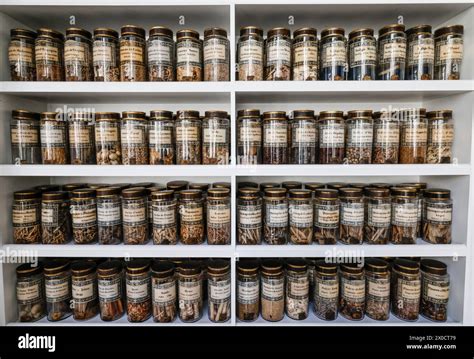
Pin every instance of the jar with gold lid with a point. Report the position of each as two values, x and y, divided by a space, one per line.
107 138
164 291
138 290
278 55
405 290
161 139
305 54
377 276
219 290
275 217
352 287
84 290
134 216
304 137
26 217
275 138
249 137
216 138
359 137
331 128
188 126
420 61
49 55
57 277
191 214
216 55
25 137
78 55
84 215
326 216
133 135
435 287
297 289
110 283
392 49
362 55
164 217
132 54
326 290
30 292
218 216
55 218
437 216
188 56
449 52
81 138
54 139
106 55
248 290
109 215
300 214
333 48
249 216
160 54
190 292
272 290
404 215
440 136
21 55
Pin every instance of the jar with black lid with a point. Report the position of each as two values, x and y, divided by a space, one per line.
297 289
216 55
84 216
377 276
326 216
30 294
132 54
161 137
278 55
26 217
54 139
215 138
352 216
163 291
160 54
109 215
188 56
359 137
331 128
249 137
219 290
149 210
419 187
386 137
305 54
106 55
133 135
440 136
49 55
84 290
449 48
275 217
362 55
435 285
57 277
249 216
379 214
272 290
300 213
190 292
164 217
275 138
437 216
81 138
404 215
107 138
191 214
218 216
352 286
250 54
304 137
413 135
78 55
134 216
333 47
326 290
21 55
392 49
405 289
55 221
138 289
110 283
248 290
188 138
420 62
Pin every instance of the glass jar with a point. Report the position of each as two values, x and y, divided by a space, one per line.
55 225
360 133
377 276
21 55
249 216
191 214
25 137
164 215
133 135
106 55
249 137
278 55
190 292
392 51
333 47
26 217
216 55
160 54
57 278
304 137
161 138
326 216
331 130
78 55
84 290
163 293
272 290
107 138
188 138
134 216
404 215
138 289
448 52
419 187
49 55
405 289
275 138
437 216
434 290
297 289
420 62
81 139
275 217
386 137
413 136
218 216
379 214
110 283
84 216
440 136
54 141
109 215
30 292
132 54
300 213
326 290
149 209
219 289
352 216
362 55
250 54
352 297
248 290
305 54
215 138
188 56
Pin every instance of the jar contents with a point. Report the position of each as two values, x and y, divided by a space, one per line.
326 290
218 216
134 216
437 216
84 290
109 215
304 137
300 212
55 225
81 139
377 276
326 216
78 55
352 300
249 216
161 54
379 212
133 134
21 55
297 289
164 217
106 55
272 290
190 292
54 143
275 217
352 216
216 138
57 278
163 291
250 54
132 54
440 136
188 138
359 139
386 137
278 55
275 138
161 138
333 54
219 288
331 137
49 55
188 56
420 62
25 137
107 138
405 289
392 48
362 55
249 137
216 55
26 217
138 289
30 293
248 290
434 290
84 216
110 282
404 215
191 214
305 54
413 136
449 48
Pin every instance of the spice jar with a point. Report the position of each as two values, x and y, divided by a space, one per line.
331 130
404 215
164 216
297 289
133 134
84 290
191 214
278 55
326 216
216 55
362 55
25 137
434 290
160 54
190 292
107 138
405 289
304 137
109 215
272 290
250 54
275 218
326 290
300 212
132 53
392 49
440 136
377 276
420 62
437 216
352 296
448 52
54 142
248 290
26 217
21 55
78 55
275 138
359 139
57 278
386 137
110 282
305 54
333 47
352 216
49 50
219 288
413 136
84 216
163 293
379 214
138 288
188 56
81 139
188 138
161 138
215 138
30 292
134 216
55 226
218 216
419 187
106 55
249 137
249 216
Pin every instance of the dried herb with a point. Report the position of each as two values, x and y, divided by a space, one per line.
250 54
29 292
352 298
138 288
248 290
216 55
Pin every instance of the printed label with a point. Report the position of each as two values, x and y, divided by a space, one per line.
138 290
353 290
442 135
453 50
276 136
29 292
215 50
379 288
301 215
18 52
106 134
438 293
363 53
130 53
219 291
331 136
411 290
352 214
249 216
83 291
46 53
108 213
305 52
164 216
218 214
298 288
334 53
251 134
404 214
103 52
164 293
75 51
214 135
191 214
416 135
439 213
250 51
49 216
328 290
23 135
187 133
110 289
79 135
421 51
84 215
53 135
394 50
360 135
379 215
248 291
132 136
279 51
189 291
133 213
161 137
22 215
57 290
387 135
272 289
276 215
188 52
326 216
307 134
160 52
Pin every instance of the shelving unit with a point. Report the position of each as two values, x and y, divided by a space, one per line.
232 96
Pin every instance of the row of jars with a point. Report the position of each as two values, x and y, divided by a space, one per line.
46 55
372 288
378 213
139 288
407 136
132 214
106 138
398 54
